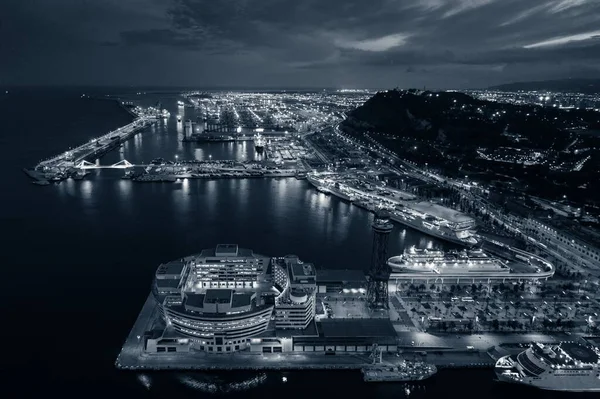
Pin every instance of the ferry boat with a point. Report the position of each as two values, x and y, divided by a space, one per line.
566 366
402 372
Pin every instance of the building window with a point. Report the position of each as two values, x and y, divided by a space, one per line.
219 349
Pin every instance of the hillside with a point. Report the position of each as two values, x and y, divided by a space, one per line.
543 150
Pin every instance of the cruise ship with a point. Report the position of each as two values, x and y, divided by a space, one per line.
566 366
435 262
424 216
454 229
334 189
259 143
473 265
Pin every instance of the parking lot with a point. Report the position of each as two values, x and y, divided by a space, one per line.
351 306
471 309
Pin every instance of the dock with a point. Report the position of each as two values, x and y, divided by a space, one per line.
73 162
134 357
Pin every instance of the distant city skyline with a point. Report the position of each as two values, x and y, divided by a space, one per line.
273 44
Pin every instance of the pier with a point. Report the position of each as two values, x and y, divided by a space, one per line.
74 162
134 357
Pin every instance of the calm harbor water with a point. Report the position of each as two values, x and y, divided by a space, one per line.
80 255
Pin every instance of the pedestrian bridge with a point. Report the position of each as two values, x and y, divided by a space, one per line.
123 164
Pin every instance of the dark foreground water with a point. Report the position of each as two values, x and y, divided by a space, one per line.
78 257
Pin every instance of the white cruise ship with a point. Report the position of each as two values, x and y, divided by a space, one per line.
259 143
430 261
449 228
566 366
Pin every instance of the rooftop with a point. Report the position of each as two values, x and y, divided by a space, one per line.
241 252
238 300
218 296
336 276
303 269
226 250
194 300
355 328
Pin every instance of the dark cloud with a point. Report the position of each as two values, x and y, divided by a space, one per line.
450 43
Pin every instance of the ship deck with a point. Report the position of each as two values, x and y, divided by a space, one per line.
440 211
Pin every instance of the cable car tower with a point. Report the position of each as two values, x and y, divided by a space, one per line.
379 272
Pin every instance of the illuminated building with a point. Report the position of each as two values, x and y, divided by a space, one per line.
295 307
219 299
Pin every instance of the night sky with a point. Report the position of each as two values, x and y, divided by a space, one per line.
297 43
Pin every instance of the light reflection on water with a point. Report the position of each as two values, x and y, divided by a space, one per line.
244 210
124 191
87 191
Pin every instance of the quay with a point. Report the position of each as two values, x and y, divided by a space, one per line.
441 352
133 355
73 162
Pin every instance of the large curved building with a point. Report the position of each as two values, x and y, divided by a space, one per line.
219 298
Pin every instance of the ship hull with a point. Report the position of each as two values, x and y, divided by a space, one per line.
548 381
574 386
209 138
395 379
370 375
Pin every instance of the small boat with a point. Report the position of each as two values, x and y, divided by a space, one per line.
404 371
41 182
